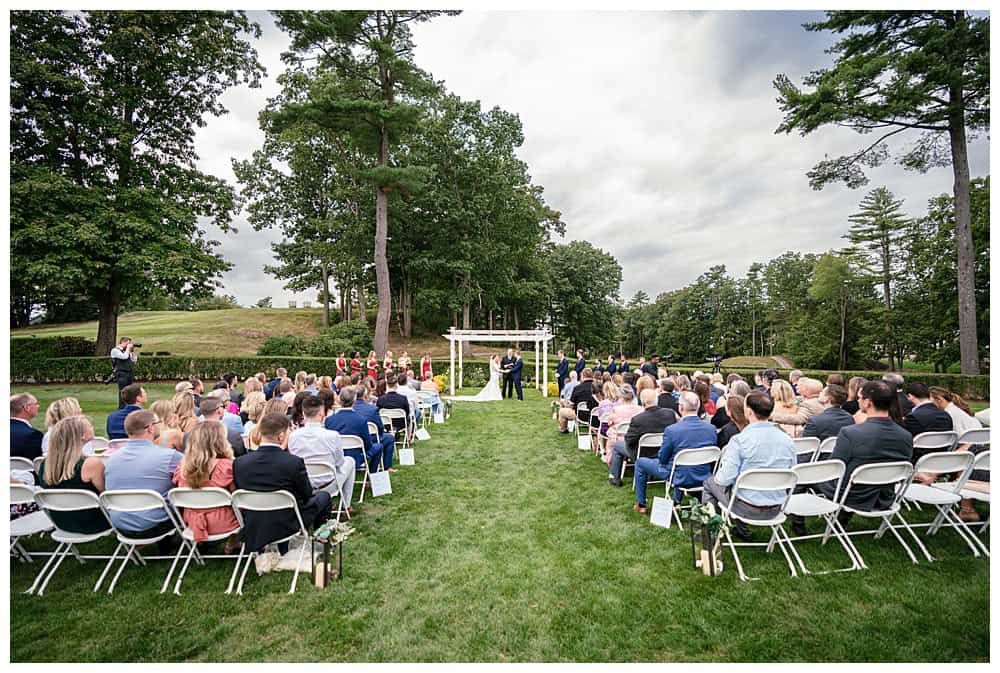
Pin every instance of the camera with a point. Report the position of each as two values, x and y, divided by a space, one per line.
135 345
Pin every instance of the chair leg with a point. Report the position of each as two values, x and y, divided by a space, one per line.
915 537
66 552
107 567
250 560
177 556
970 538
302 554
795 553
886 524
131 552
41 574
782 541
232 579
187 562
736 557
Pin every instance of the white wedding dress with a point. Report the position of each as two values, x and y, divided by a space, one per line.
491 393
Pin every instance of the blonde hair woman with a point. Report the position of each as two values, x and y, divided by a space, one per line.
852 405
208 462
275 405
252 385
171 435
65 466
300 382
784 403
253 407
58 410
644 383
184 410
325 383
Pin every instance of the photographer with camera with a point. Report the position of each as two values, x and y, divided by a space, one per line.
122 359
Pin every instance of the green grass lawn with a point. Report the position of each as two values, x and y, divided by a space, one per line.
505 543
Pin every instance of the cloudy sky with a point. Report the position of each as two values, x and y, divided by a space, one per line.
652 133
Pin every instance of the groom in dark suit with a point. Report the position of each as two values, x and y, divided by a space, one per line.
515 374
562 371
507 386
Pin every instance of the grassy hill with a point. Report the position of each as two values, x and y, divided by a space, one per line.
237 331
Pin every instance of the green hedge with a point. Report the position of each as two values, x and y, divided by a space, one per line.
35 348
93 369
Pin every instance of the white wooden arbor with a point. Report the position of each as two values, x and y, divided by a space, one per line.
540 337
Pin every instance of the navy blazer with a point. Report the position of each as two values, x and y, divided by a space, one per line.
927 418
877 440
515 370
581 364
562 369
25 441
369 412
270 468
350 422
612 367
688 433
623 367
828 423
116 421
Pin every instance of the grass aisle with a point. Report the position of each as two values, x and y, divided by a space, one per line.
505 543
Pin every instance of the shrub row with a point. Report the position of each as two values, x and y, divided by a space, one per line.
93 369
345 337
34 348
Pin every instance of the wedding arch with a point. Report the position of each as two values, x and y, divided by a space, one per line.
540 337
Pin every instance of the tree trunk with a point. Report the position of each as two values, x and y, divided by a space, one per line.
408 312
517 326
361 303
490 319
381 260
107 327
466 324
968 340
843 332
326 294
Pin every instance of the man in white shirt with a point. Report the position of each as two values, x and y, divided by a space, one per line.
411 396
122 359
314 442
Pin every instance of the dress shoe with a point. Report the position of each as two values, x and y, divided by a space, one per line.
641 509
614 481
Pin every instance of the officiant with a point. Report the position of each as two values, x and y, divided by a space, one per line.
506 362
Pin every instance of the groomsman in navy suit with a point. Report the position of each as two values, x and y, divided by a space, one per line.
581 364
515 374
612 367
562 371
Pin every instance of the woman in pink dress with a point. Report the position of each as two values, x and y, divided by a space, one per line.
208 461
620 413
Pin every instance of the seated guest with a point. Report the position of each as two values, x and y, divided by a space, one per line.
349 421
271 387
707 408
878 440
369 412
251 385
184 387
829 422
134 397
271 468
314 442
229 419
644 383
325 383
392 399
311 384
143 464
853 386
211 410
836 379
235 398
58 410
250 410
583 392
925 416
329 400
296 417
187 419
716 388
65 466
171 435
689 433
808 406
666 399
983 416
286 391
793 380
403 388
629 378
652 419
567 390
197 389
734 408
624 411
952 404
428 386
759 446
897 382
738 388
785 406
208 462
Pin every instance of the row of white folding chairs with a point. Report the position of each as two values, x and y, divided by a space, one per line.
70 500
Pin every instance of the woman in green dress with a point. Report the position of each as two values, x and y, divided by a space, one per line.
65 466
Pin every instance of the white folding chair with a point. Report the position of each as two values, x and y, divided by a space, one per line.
426 408
271 501
927 442
374 435
115 444
976 436
97 445
29 524
817 504
19 463
761 480
326 474
131 501
825 449
648 447
354 442
944 497
582 425
36 465
208 497
895 474
704 455
982 462
621 429
805 448
65 500
388 417
595 433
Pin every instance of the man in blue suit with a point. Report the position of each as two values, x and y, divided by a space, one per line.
25 441
689 433
134 397
515 374
387 440
612 367
581 364
272 385
352 420
562 371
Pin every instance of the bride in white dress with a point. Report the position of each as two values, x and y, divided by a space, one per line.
491 393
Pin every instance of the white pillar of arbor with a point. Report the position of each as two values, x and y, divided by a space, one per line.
456 338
